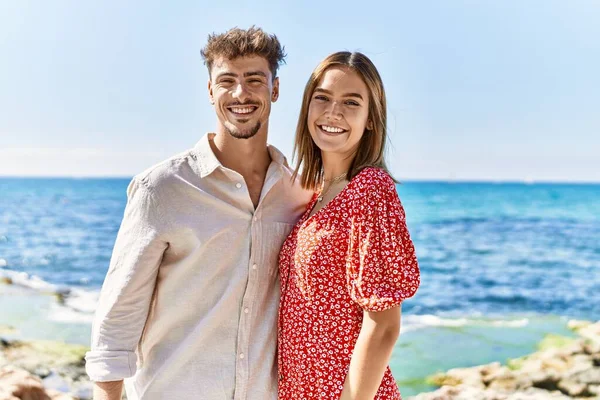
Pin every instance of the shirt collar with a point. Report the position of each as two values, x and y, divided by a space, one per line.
208 162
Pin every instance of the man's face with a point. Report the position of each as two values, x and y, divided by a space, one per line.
242 91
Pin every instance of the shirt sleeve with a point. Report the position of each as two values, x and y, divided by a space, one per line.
128 288
382 269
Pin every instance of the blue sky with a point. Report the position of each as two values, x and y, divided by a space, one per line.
477 90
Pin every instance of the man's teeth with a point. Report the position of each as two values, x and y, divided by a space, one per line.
242 110
332 129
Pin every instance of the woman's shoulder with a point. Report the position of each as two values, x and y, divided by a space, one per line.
375 180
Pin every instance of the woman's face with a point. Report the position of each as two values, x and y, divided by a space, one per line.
338 112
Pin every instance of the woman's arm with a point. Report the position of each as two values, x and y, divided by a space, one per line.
372 353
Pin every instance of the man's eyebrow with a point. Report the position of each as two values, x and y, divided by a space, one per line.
254 73
329 92
222 74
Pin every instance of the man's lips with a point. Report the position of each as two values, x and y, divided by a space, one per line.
243 110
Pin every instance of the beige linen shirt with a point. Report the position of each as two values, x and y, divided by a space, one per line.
188 309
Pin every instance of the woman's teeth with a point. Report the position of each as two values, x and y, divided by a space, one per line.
332 129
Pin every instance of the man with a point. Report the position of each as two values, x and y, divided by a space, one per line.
188 308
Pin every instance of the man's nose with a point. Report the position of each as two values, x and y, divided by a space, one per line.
241 93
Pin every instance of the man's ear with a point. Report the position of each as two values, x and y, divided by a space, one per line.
275 92
210 93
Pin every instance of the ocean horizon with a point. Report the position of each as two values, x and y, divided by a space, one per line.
523 181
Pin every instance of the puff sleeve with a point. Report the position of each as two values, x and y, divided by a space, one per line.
382 268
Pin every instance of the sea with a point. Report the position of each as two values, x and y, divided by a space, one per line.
502 264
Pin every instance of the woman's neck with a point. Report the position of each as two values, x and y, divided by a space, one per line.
335 165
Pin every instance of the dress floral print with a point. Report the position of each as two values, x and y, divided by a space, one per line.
354 254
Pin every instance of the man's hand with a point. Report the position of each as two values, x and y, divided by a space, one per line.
108 390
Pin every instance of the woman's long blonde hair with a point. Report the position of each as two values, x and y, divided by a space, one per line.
371 148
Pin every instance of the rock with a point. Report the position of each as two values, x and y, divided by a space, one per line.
460 392
552 341
564 368
85 390
457 376
575 325
506 381
6 280
591 347
538 394
4 395
7 330
44 355
55 395
61 365
588 377
594 390
590 332
572 388
55 382
443 379
546 380
21 385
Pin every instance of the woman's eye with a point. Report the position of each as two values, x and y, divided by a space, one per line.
321 98
352 103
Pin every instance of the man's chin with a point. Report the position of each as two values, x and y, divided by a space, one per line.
243 133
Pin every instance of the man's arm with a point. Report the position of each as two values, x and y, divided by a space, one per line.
108 390
372 353
127 290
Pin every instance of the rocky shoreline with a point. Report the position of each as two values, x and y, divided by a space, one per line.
42 370
564 368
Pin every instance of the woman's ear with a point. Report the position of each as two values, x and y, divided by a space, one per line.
370 125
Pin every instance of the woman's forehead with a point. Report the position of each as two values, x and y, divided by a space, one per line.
342 79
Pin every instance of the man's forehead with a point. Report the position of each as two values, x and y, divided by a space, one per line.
241 64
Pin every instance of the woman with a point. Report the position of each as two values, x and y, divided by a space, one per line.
349 262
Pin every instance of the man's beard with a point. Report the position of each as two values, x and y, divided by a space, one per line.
243 134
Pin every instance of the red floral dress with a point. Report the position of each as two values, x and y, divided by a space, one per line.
354 254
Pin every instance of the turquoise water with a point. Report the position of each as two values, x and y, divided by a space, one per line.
502 264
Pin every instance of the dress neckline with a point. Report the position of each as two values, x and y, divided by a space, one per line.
307 217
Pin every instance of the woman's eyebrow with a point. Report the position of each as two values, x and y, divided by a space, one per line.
357 95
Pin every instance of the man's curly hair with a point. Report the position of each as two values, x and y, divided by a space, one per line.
238 42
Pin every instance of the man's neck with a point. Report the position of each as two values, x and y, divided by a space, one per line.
245 156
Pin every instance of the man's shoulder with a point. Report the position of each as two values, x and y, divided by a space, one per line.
167 171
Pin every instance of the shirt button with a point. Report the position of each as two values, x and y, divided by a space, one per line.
255 219
254 266
238 185
242 356
246 310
